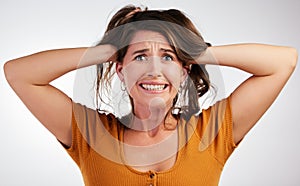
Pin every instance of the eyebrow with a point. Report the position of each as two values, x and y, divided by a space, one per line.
146 50
167 50
140 51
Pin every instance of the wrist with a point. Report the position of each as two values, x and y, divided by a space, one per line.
106 53
207 57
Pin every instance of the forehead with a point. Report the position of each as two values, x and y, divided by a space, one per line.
148 37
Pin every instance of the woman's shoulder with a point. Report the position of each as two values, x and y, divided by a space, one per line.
92 118
215 123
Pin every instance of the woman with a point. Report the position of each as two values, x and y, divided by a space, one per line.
160 58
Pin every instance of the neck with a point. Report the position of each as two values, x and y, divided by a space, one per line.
149 117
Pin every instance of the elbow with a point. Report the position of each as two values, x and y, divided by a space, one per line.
10 73
7 68
287 62
293 58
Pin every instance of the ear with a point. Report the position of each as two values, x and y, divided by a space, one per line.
119 68
183 74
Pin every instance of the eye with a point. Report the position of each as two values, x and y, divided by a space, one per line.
167 58
140 58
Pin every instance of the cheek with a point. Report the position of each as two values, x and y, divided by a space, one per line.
132 72
173 73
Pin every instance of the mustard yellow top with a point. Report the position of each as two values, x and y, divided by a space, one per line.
205 143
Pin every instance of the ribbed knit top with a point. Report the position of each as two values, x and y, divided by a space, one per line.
205 143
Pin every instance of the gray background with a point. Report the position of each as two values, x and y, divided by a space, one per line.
30 155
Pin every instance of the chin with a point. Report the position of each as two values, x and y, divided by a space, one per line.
157 102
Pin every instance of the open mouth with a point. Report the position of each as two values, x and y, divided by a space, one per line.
154 87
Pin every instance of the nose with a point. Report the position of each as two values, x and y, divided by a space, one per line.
154 67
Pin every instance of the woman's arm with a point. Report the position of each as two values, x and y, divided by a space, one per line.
271 67
30 78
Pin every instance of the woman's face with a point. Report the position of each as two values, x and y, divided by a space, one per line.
151 71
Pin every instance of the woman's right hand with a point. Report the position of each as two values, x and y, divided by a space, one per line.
30 78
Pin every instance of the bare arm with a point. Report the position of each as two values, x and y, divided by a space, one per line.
271 67
30 78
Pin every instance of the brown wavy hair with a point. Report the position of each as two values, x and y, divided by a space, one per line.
182 36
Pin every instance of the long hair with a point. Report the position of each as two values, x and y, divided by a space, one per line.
182 36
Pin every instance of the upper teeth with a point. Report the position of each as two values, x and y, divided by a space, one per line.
153 87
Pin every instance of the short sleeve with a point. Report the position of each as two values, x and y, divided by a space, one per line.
216 130
92 132
78 145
